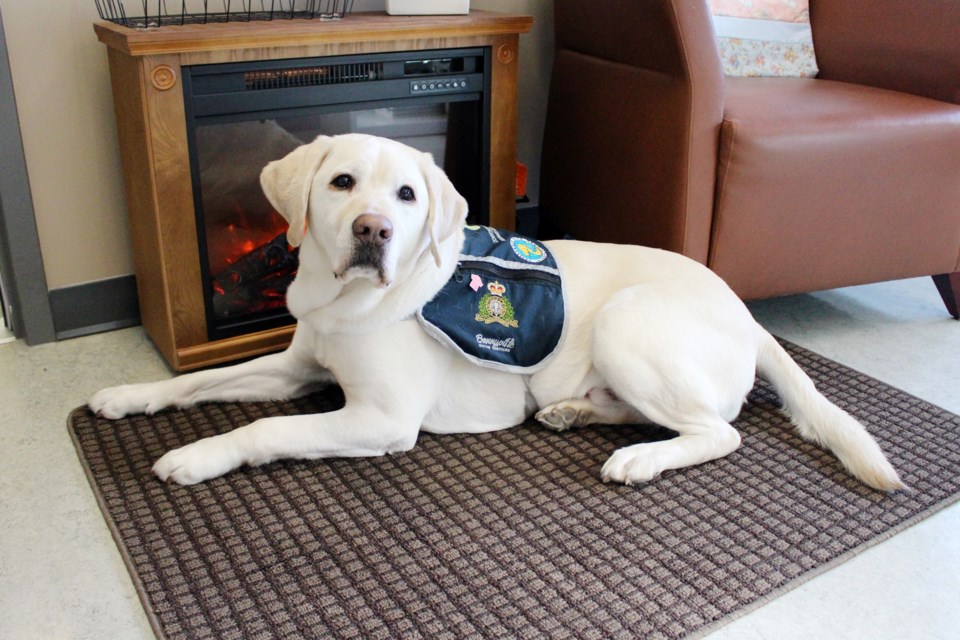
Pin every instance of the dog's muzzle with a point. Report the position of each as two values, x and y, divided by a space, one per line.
371 235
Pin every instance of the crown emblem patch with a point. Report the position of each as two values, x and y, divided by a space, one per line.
495 307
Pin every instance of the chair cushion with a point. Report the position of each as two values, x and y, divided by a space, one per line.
823 184
764 37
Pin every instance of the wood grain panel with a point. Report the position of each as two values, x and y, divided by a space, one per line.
246 346
140 188
356 27
503 131
175 208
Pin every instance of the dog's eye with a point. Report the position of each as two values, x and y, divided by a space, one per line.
406 194
343 181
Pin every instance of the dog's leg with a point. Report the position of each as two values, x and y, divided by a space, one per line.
273 377
385 407
687 368
599 406
682 398
707 439
348 432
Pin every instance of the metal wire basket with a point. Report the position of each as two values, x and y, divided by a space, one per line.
146 14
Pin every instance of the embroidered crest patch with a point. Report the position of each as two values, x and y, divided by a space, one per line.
495 307
503 307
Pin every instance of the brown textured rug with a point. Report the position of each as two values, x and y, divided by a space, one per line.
504 535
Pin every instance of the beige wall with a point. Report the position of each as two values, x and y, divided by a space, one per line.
66 118
64 101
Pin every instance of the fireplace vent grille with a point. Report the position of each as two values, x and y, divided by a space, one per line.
312 76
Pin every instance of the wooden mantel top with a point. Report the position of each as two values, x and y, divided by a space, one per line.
297 32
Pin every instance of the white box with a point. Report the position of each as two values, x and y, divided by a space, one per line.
427 7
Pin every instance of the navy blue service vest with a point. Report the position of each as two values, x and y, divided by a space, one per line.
503 307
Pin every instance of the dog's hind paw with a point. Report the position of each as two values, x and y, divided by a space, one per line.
559 416
633 465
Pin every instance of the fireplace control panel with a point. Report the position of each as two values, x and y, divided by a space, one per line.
230 89
438 85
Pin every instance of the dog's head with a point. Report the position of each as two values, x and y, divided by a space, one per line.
370 204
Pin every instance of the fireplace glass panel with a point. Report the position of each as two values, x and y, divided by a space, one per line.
247 262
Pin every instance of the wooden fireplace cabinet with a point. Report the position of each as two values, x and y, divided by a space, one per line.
148 98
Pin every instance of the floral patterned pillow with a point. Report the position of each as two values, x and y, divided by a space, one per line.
764 37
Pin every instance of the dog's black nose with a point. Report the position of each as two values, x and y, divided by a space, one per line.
373 228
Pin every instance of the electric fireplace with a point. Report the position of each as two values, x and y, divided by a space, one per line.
241 116
201 108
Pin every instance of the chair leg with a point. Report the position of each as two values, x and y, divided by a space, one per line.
948 284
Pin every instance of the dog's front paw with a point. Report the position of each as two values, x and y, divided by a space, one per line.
199 461
117 402
633 465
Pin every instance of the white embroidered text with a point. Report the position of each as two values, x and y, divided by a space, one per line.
506 344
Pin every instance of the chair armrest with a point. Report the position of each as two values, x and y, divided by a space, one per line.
904 45
636 102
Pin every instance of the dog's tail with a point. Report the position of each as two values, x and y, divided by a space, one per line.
822 422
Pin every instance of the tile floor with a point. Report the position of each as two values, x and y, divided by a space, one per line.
61 576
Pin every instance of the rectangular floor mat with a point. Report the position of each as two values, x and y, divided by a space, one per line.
503 535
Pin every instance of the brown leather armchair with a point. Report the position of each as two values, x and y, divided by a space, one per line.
780 185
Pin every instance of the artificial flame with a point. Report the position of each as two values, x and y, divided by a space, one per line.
251 265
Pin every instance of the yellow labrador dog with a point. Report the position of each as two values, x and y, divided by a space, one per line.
649 336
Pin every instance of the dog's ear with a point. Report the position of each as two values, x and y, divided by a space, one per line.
286 183
447 210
